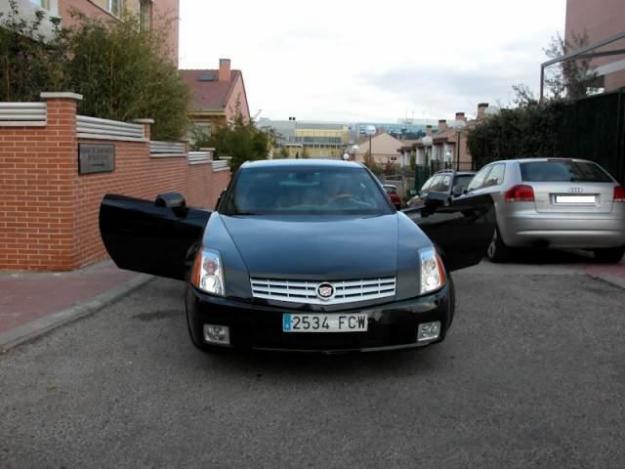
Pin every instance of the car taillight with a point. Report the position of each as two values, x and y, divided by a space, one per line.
520 193
619 194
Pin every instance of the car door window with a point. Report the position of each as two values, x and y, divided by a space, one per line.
461 183
443 184
495 176
479 178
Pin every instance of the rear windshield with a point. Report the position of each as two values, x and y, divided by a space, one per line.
305 190
563 171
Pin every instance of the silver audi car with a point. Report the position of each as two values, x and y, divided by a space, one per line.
554 203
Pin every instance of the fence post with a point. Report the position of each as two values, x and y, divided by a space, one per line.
147 127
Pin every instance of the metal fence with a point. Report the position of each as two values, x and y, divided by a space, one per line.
107 129
158 148
594 129
23 114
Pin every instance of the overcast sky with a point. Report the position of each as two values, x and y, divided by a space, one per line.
361 60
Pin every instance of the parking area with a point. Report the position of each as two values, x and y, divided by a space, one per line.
531 375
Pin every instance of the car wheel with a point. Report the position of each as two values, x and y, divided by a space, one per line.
609 255
497 251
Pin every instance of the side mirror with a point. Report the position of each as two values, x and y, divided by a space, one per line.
173 200
457 191
412 192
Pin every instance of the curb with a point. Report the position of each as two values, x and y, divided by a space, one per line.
43 325
618 282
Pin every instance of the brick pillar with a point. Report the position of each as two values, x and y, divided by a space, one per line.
147 127
55 185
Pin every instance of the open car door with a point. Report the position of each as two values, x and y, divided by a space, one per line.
461 228
151 237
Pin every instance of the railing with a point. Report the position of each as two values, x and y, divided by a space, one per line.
200 157
23 114
167 148
97 128
220 165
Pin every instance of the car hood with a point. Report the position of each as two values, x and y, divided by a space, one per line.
316 248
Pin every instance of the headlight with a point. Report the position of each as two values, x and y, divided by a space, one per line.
432 270
207 274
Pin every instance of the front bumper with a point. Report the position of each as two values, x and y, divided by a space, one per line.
258 326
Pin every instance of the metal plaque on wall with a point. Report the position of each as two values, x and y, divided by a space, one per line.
96 158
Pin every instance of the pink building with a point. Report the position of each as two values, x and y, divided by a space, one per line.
151 12
217 96
600 19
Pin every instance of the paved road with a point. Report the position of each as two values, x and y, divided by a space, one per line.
531 375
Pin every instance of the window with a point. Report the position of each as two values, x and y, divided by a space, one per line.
145 14
461 183
563 171
45 4
305 190
495 177
479 178
115 7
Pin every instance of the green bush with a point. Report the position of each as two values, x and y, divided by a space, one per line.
242 141
526 131
124 73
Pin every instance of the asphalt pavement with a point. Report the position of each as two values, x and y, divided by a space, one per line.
532 374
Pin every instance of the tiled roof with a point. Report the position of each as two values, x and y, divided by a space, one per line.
207 93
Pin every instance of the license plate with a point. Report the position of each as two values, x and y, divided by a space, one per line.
575 199
324 322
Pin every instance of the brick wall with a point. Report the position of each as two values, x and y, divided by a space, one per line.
49 213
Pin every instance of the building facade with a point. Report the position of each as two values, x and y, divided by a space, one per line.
217 96
304 139
599 20
152 13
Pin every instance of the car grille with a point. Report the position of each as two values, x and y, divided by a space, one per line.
303 291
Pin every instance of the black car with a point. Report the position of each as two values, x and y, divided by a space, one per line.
303 255
445 185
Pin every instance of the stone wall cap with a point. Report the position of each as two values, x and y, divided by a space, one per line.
143 121
61 95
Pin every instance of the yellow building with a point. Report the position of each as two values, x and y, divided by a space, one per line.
300 139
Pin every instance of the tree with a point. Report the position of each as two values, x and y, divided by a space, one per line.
242 141
283 152
121 70
570 79
199 138
30 62
525 131
123 73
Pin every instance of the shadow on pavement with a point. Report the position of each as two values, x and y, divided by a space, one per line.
552 256
337 366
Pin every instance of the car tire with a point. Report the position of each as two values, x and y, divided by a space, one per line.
497 250
609 255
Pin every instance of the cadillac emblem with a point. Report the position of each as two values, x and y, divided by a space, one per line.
325 291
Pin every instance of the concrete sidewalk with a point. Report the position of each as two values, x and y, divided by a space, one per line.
32 303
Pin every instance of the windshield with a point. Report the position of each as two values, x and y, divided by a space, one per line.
305 190
563 171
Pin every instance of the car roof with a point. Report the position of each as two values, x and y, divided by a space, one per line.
289 163
453 171
538 158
